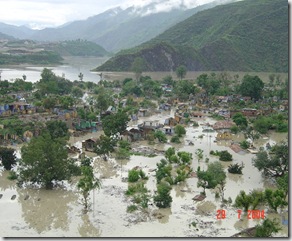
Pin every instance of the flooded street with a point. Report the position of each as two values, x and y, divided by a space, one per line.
58 212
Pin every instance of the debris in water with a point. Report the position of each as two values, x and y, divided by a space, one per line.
199 197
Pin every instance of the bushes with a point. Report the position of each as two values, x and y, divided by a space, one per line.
134 175
244 144
160 136
225 156
267 228
163 198
122 154
175 139
179 130
235 168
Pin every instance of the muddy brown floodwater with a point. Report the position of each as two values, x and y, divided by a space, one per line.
58 212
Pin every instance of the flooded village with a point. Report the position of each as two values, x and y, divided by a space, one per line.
150 145
144 119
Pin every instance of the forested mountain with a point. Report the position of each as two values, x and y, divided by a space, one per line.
76 48
114 29
249 35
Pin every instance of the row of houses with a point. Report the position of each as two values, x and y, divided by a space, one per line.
16 108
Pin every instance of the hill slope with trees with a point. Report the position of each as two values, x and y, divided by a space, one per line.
250 35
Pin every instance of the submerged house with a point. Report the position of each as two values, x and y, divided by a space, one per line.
142 112
169 130
223 126
170 121
89 144
198 114
16 108
132 134
148 127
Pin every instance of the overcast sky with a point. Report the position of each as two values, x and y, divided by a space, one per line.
51 13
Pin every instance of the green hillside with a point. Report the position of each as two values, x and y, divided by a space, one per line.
250 35
77 48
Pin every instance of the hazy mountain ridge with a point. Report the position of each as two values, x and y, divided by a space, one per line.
250 35
114 29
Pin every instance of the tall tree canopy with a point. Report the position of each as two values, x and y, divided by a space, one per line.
181 71
275 162
57 129
214 175
137 67
252 86
115 123
7 157
45 160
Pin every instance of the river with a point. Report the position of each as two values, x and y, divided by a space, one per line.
70 69
72 66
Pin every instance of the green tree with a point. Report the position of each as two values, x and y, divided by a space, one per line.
252 86
184 88
49 102
212 177
181 71
80 76
57 129
185 158
239 119
225 156
235 168
115 123
243 200
66 101
267 228
262 124
103 100
169 153
138 67
179 130
47 75
163 199
161 136
87 183
275 198
130 88
44 160
163 170
244 144
251 133
168 80
7 157
199 152
105 146
283 183
275 162
209 83
249 201
77 92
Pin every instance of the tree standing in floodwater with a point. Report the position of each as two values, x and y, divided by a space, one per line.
87 183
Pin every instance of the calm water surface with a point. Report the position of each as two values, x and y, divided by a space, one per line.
70 70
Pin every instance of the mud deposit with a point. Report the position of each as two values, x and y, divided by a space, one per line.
58 212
